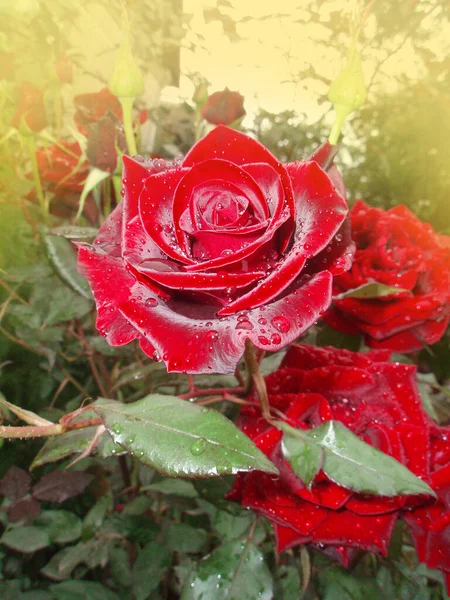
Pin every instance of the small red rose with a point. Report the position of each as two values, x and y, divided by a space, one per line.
396 249
379 402
30 111
225 246
60 167
223 108
93 106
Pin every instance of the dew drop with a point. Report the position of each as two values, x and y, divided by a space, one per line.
198 447
151 302
281 324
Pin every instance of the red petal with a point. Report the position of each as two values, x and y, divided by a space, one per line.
305 357
198 177
180 280
155 208
349 529
229 144
110 283
288 538
317 202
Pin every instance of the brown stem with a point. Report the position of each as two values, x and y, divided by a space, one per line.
255 379
212 391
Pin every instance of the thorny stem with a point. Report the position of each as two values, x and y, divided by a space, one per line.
221 392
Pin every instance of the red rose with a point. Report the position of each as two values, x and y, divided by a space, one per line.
30 110
63 173
379 402
430 525
228 245
105 137
59 166
396 249
92 107
223 247
223 108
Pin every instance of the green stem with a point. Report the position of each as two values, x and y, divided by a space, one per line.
31 142
127 109
198 122
341 115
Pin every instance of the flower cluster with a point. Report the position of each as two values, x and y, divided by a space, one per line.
379 402
394 248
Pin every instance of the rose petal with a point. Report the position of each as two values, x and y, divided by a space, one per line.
180 280
238 148
316 199
155 209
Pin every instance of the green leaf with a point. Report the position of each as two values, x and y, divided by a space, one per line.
350 462
25 539
340 585
61 526
231 527
92 180
95 517
73 232
63 258
289 581
305 457
119 566
371 290
173 487
75 442
233 571
180 439
152 562
184 538
81 590
424 383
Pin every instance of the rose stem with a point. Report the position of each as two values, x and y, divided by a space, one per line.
31 142
255 379
127 109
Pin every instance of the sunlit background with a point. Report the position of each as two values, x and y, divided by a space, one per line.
280 56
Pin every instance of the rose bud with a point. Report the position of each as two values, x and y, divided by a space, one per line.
227 245
396 250
223 108
30 115
126 80
200 95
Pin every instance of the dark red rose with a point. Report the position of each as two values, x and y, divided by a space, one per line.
105 137
63 173
379 402
430 525
30 110
60 166
92 107
396 249
223 108
64 68
228 245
